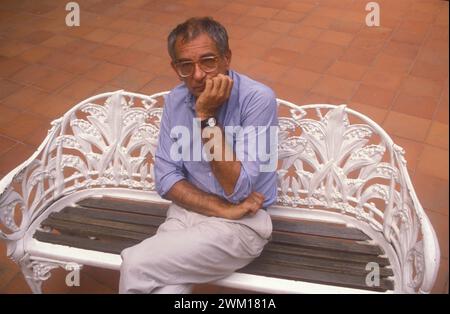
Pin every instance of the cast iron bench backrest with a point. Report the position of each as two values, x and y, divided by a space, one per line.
335 164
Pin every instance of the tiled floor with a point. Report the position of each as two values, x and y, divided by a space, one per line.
306 50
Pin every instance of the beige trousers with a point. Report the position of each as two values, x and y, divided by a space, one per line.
191 248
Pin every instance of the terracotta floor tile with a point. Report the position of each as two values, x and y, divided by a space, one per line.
37 37
267 70
262 12
104 72
79 89
315 98
300 79
99 35
318 21
15 156
347 70
432 192
288 16
7 114
52 106
360 56
6 143
300 7
9 66
238 8
292 43
429 71
440 225
280 56
13 48
325 50
89 285
159 84
383 79
237 32
305 31
24 125
438 135
70 63
442 111
23 98
161 66
335 86
103 52
407 126
262 38
57 41
106 277
290 94
374 96
8 87
336 38
413 151
417 86
345 26
126 57
434 161
54 80
34 54
385 62
17 285
31 73
133 80
80 47
408 37
250 21
376 114
123 40
401 50
149 45
314 63
422 107
277 27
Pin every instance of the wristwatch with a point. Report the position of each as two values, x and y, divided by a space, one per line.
210 122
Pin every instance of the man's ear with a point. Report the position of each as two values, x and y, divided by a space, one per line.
227 58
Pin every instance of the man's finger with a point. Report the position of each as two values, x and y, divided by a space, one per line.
224 87
217 85
229 87
208 86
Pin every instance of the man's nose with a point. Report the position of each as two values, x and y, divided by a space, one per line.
199 74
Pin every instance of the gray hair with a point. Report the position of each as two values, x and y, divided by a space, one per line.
195 26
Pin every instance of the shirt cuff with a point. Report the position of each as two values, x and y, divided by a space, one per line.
242 188
166 183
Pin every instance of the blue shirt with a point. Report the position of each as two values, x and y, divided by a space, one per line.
251 104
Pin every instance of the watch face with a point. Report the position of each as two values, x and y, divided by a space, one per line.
212 121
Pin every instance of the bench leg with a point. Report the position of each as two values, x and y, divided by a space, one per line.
35 272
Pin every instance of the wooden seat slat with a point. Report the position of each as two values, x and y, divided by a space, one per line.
114 215
298 273
325 242
126 205
325 254
86 230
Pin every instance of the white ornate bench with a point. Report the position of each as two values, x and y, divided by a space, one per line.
347 218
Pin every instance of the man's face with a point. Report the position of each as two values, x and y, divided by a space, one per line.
198 48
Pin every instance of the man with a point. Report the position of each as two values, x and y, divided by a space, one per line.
217 222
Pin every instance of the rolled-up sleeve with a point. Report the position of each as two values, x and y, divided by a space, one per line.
167 171
260 112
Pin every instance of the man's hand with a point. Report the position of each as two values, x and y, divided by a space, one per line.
249 206
217 91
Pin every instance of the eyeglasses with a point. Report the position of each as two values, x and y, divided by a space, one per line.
187 68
